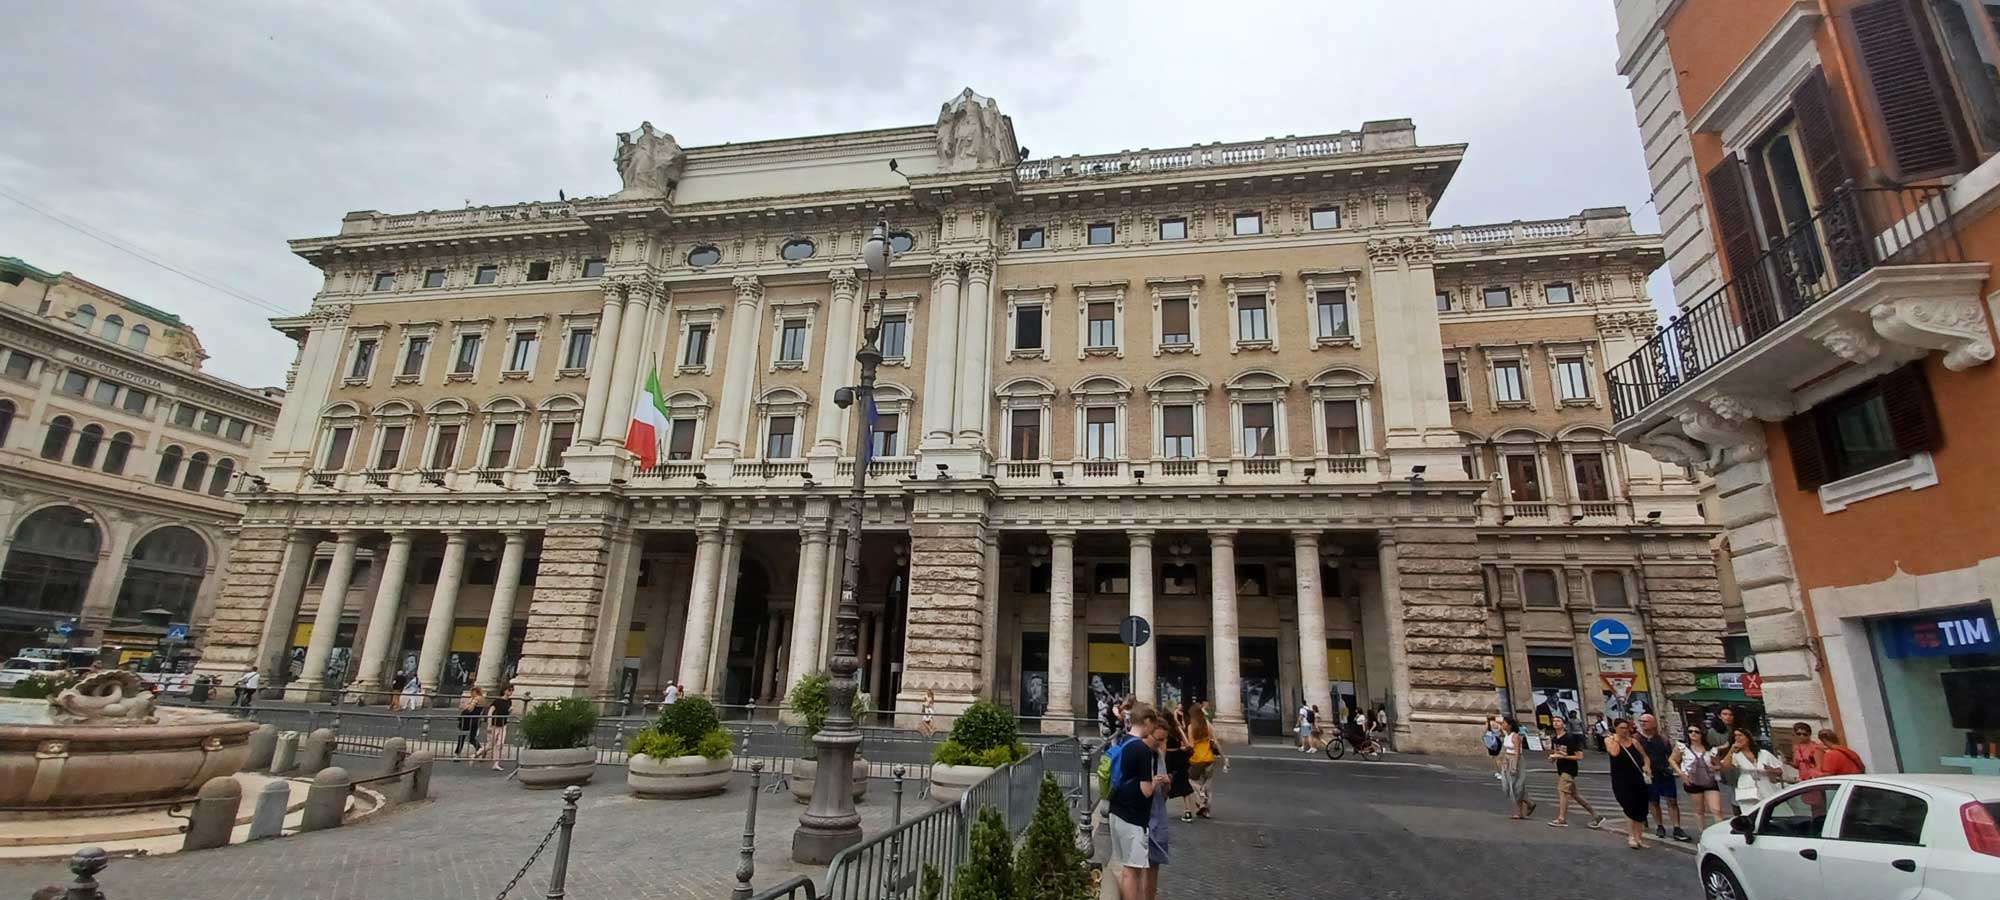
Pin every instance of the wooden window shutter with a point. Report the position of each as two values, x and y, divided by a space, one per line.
1819 136
1914 103
1913 418
1808 454
1736 232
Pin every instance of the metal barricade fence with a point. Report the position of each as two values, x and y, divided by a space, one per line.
891 864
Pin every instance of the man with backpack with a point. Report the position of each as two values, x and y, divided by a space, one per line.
1114 783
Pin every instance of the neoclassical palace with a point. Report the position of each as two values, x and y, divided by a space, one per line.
1243 390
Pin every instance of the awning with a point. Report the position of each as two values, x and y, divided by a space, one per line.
1712 695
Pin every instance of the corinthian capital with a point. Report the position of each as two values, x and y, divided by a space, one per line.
844 282
615 289
1420 250
979 267
1383 253
748 288
945 269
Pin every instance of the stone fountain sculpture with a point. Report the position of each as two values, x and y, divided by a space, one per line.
113 694
100 746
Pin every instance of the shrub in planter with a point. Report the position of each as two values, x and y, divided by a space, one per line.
558 751
809 700
690 719
984 726
683 754
1049 866
983 739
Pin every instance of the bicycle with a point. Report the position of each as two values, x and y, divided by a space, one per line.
1366 745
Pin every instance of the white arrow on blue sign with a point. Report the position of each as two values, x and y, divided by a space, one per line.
1611 637
177 632
65 626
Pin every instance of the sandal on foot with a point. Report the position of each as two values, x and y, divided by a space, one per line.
1635 845
1597 821
1558 823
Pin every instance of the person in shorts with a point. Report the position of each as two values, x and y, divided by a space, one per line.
1567 752
1666 757
1135 779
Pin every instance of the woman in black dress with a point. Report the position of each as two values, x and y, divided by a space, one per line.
1631 779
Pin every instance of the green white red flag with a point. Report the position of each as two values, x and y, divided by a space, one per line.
649 421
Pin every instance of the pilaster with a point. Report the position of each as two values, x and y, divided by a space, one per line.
1447 653
739 370
569 585
941 368
944 636
837 366
257 603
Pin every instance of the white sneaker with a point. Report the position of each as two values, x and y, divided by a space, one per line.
1499 777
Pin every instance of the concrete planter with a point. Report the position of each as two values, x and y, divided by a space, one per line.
678 777
556 768
948 783
804 771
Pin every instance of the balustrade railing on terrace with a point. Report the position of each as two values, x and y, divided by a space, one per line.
1022 469
1859 229
768 469
1098 468
546 475
446 218
1178 468
1347 464
1531 510
1200 156
377 477
879 468
1595 509
672 470
1261 465
1507 233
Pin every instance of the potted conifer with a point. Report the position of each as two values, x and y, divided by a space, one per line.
983 739
683 754
558 749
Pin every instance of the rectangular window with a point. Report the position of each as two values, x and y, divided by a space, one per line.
577 354
538 271
364 358
1249 223
1100 432
895 336
1607 590
1260 434
1454 389
185 415
1444 301
336 448
486 275
237 429
1111 578
1027 328
680 444
1343 427
792 341
391 451
1174 229
593 268
522 354
1253 323
888 430
1573 379
1560 293
1325 218
500 454
778 444
1180 579
468 354
75 383
105 393
1103 325
135 401
1499 297
1252 580
434 278
1102 233
1538 588
211 422
1028 239
560 435
385 281
413 355
696 351
444 453
1177 432
19 364
1024 434
1524 479
1591 484
1507 382
1330 308
1174 324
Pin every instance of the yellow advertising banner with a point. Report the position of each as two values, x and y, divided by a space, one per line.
302 634
468 638
1110 658
635 644
1340 663
1499 671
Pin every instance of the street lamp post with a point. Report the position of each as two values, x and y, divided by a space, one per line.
830 823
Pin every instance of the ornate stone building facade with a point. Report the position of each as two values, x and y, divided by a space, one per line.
117 459
1243 390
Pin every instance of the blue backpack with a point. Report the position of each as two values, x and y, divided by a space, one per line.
1107 763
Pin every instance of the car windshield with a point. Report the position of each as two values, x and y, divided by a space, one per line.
19 664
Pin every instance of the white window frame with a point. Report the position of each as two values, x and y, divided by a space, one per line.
559 408
895 400
344 415
1504 447
1179 389
1556 352
904 305
1026 394
1265 283
690 317
1112 292
516 416
1585 440
778 402
428 331
405 418
435 419
807 310
1520 356
1043 296
460 329
1342 384
355 336
1272 393
1098 392
571 324
1348 283
517 326
688 405
1164 289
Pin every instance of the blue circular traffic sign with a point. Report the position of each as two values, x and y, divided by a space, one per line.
1611 637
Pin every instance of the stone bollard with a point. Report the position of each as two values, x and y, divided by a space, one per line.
285 756
394 751
263 744
84 864
316 751
326 800
274 799
418 783
214 815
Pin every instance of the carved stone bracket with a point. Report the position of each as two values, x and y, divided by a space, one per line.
1745 407
1669 447
1956 326
1850 341
1744 440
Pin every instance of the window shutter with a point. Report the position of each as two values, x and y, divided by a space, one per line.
1808 456
1913 418
1736 231
1819 136
1915 106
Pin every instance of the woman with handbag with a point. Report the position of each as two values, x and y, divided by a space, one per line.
1699 778
1631 780
1757 771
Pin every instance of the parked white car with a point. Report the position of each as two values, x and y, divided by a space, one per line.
18 669
1861 837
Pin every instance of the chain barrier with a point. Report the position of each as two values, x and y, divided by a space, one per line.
523 873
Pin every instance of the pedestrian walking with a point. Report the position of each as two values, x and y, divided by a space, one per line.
1180 766
469 713
671 695
1664 754
1492 741
246 689
1837 758
1513 771
1312 720
1806 752
1567 753
1136 778
1758 772
1631 779
497 715
1698 776
413 693
1305 727
927 725
1113 719
1202 761
1157 825
396 685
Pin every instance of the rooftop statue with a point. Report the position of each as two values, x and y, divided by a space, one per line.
972 134
649 163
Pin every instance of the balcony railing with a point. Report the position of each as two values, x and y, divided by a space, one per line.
1861 228
1029 469
879 468
321 477
377 477
1261 465
548 475
1098 468
768 469
1179 468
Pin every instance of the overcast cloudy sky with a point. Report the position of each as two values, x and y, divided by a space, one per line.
209 133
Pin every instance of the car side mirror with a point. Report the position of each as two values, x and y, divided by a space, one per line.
1745 826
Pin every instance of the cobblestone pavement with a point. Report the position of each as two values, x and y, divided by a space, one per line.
472 837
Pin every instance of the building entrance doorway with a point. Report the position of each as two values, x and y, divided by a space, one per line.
1261 704
1183 670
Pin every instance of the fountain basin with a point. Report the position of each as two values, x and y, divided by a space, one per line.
108 766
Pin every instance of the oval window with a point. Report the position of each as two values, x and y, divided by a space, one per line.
703 257
797 249
901 242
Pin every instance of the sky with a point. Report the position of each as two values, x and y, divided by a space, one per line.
205 135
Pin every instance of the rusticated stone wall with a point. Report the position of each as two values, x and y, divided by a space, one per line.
1446 647
1685 609
576 563
243 606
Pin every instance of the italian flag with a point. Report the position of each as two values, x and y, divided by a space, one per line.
649 421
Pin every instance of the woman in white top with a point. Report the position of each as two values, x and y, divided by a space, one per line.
927 726
1757 771
1513 774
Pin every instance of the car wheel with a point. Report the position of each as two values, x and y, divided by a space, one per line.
1718 883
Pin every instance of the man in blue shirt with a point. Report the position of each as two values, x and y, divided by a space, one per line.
1134 779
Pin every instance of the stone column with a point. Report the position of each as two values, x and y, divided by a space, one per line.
500 615
387 614
808 605
1062 631
975 329
739 371
578 534
444 606
837 366
625 371
1227 654
767 665
1390 563
878 672
275 644
1145 667
941 366
326 621
942 643
723 617
1312 621
603 359
701 610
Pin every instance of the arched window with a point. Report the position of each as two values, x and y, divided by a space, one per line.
219 482
170 466
136 339
164 573
57 439
49 564
6 420
85 316
197 467
119 451
86 446
114 328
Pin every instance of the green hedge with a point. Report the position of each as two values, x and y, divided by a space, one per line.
559 724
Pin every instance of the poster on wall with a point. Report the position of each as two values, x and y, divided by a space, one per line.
1504 697
1109 665
1340 677
1034 699
1552 679
1626 693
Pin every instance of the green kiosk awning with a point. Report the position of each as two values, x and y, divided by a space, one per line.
1710 695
